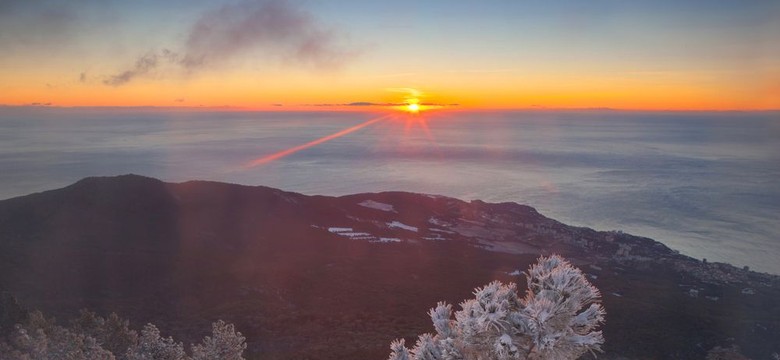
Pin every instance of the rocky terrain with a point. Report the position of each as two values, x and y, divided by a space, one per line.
316 277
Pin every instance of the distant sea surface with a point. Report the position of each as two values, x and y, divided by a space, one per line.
706 184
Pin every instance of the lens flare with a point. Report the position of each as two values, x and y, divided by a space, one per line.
269 158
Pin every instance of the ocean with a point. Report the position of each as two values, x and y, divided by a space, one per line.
704 183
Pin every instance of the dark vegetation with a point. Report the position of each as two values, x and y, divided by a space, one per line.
182 256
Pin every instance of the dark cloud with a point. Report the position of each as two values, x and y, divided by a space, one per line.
437 104
274 26
368 103
270 28
143 65
358 103
363 103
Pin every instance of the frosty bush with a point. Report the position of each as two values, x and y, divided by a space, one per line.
91 337
556 319
40 338
112 333
151 346
224 344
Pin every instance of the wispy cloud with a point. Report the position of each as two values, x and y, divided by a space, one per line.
358 104
267 29
276 26
143 65
379 104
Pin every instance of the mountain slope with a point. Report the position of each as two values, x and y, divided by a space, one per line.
340 277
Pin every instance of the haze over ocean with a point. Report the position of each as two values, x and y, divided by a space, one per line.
703 183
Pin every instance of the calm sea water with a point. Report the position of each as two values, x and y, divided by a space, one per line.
706 184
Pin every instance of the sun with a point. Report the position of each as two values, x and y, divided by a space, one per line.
410 107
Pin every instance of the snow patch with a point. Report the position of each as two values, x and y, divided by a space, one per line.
515 273
377 205
351 234
400 225
435 237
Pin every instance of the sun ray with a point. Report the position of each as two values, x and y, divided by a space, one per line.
275 156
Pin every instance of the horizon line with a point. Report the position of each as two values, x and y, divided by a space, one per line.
362 108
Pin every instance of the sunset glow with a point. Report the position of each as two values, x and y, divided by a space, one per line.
312 175
324 55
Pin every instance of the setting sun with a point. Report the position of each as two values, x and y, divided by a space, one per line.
413 108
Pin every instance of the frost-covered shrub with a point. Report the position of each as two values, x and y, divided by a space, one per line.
557 319
40 338
32 336
151 346
225 343
112 333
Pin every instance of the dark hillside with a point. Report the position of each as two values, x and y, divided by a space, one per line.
316 277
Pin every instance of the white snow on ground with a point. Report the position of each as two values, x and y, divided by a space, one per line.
435 237
348 232
357 235
377 205
442 231
354 235
400 225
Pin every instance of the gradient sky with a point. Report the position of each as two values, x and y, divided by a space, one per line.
480 54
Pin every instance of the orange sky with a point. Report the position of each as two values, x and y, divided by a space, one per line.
500 56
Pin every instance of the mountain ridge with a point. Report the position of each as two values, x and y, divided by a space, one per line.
298 273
